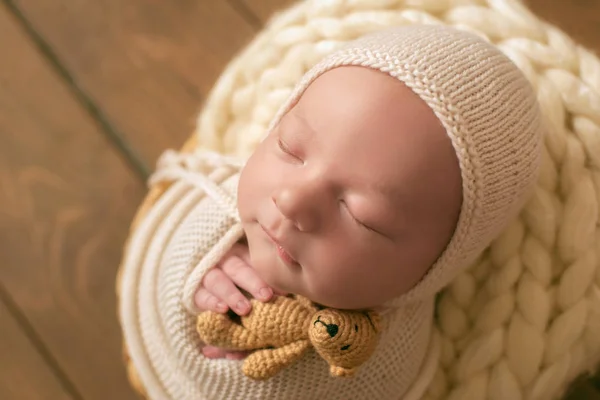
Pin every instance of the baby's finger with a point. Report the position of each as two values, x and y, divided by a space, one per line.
245 277
241 251
221 286
213 352
236 355
207 301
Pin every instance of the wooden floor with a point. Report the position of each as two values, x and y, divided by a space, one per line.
90 93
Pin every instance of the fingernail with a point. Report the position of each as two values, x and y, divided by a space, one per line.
242 305
221 306
265 293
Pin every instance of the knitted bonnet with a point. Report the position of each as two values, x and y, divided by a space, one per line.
490 114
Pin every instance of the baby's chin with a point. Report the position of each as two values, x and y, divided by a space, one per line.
283 285
343 305
280 289
272 273
344 300
284 282
326 300
272 278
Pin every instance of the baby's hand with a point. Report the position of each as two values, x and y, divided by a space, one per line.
219 292
220 288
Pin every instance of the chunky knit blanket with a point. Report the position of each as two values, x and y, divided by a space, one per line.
524 320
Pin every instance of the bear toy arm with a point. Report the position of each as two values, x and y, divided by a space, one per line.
264 364
219 330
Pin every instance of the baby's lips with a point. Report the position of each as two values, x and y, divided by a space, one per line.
279 292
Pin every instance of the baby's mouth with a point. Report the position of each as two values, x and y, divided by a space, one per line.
285 256
281 251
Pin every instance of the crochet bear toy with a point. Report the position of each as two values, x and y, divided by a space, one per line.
282 330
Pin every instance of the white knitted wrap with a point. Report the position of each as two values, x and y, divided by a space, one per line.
187 232
523 321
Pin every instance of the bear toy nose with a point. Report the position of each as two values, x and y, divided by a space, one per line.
332 329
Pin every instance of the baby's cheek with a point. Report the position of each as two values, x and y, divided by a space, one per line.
258 255
331 285
360 275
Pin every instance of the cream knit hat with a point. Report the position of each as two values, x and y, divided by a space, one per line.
489 111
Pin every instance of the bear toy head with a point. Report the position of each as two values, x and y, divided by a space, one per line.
345 339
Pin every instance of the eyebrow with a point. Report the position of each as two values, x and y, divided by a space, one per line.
297 115
376 187
383 189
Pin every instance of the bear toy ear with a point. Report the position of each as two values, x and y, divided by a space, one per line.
375 320
341 372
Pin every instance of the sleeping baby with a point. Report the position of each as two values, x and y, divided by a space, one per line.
392 166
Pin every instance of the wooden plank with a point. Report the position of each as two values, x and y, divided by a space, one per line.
146 64
265 9
578 18
583 391
24 373
66 200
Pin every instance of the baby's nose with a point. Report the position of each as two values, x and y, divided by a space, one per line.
301 205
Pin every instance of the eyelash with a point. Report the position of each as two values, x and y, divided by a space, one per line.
359 223
283 147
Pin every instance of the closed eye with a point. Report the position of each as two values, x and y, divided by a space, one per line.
286 149
357 221
283 147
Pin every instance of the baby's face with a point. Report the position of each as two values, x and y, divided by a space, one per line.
353 195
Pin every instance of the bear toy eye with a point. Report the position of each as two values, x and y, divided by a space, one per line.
346 347
356 327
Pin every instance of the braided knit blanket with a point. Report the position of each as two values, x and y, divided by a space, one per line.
524 320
